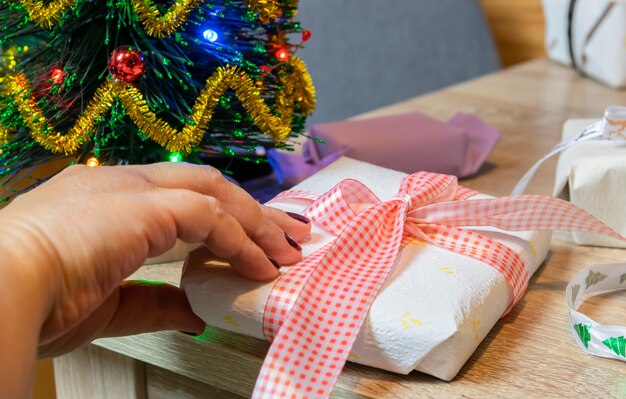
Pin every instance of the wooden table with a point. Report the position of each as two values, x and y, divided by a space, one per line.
529 353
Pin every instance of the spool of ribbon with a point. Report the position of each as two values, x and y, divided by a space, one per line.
611 127
316 309
593 337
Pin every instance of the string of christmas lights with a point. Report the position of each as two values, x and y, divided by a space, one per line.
297 87
189 80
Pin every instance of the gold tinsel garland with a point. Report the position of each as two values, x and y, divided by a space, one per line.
160 25
5 136
296 87
48 15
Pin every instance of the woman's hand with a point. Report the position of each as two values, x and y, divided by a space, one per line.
73 240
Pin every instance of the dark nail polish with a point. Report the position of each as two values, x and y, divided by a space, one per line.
191 334
276 264
293 242
298 217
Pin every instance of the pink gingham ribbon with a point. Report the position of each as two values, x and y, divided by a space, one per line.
316 309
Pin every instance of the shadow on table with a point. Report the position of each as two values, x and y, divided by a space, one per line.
485 168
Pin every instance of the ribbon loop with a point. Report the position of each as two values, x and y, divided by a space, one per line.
336 208
428 188
406 199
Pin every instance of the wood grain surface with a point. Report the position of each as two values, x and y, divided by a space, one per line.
530 353
97 373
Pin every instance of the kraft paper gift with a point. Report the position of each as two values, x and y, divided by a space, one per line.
593 32
592 174
431 314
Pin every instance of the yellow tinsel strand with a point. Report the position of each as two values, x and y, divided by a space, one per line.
297 87
47 16
300 80
161 25
18 86
156 24
267 9
5 136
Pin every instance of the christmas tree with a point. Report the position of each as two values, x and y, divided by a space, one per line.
136 81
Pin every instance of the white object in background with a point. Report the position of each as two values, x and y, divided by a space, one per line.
432 313
592 176
611 127
598 37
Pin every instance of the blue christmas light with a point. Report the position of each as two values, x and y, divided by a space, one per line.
210 35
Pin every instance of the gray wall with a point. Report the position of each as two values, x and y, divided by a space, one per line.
364 54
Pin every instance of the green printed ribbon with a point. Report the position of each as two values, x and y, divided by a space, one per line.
592 337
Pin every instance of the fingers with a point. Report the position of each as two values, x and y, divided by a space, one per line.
200 218
266 228
297 226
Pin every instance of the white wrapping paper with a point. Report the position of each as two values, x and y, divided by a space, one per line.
430 316
598 37
592 176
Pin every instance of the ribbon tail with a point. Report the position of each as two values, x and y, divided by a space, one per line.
286 290
516 213
313 343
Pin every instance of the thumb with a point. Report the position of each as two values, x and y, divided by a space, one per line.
135 307
146 306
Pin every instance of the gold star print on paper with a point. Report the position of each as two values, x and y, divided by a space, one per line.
475 326
408 321
229 319
533 247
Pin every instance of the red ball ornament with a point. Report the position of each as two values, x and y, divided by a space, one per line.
127 64
306 35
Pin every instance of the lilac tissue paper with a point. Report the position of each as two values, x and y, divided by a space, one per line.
406 142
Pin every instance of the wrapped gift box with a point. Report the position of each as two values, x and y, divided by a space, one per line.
591 174
596 30
432 313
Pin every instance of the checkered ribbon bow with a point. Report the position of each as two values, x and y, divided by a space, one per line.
316 309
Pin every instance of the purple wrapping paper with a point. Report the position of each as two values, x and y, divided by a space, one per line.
406 142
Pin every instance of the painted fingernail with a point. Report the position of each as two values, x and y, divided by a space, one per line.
293 242
298 217
276 264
